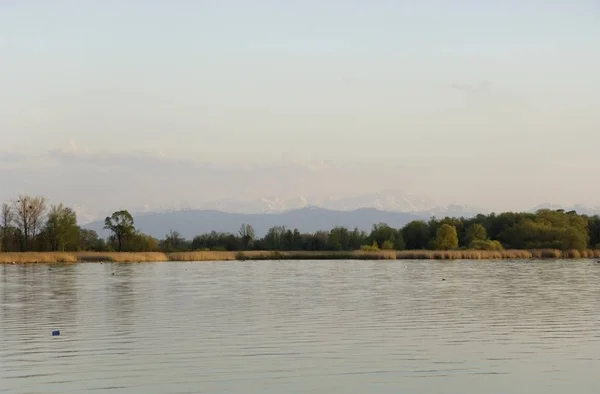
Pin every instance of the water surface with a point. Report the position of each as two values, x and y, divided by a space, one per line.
301 327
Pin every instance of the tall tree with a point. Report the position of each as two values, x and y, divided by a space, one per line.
88 240
61 228
29 216
247 235
6 220
416 235
475 232
140 242
338 238
121 225
446 237
274 240
381 233
594 231
173 242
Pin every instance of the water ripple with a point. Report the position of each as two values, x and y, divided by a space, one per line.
298 327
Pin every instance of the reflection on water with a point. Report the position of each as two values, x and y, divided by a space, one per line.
301 327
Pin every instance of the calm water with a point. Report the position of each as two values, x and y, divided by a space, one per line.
301 327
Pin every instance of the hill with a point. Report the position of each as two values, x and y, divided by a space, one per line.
193 222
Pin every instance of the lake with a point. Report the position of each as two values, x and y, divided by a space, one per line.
301 327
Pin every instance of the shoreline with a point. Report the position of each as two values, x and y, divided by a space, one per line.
200 256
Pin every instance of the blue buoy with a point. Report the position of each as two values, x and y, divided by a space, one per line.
55 333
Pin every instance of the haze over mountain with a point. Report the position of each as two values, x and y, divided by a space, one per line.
579 208
306 214
193 222
387 200
267 106
98 183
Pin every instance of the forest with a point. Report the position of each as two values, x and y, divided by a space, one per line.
30 224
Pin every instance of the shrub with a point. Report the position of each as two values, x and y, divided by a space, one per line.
485 245
371 248
388 245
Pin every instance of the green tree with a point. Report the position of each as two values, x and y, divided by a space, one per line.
122 226
446 237
547 229
140 242
475 232
216 241
357 238
173 242
338 239
574 238
61 230
416 235
292 240
318 241
274 240
388 245
89 240
594 231
486 245
371 248
500 223
381 233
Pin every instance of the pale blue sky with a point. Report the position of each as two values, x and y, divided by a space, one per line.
461 94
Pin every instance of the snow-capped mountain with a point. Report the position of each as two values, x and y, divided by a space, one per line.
84 214
387 200
456 210
267 204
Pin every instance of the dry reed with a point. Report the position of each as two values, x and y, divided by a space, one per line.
115 257
462 254
121 257
34 257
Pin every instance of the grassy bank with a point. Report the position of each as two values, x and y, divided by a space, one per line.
66 257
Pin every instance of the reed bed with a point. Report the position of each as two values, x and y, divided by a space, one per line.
125 257
204 255
34 257
121 257
463 254
316 255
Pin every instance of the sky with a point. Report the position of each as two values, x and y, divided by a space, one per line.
491 103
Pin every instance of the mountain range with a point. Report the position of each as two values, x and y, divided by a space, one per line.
387 200
308 214
310 219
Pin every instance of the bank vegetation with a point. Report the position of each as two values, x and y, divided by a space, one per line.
32 230
202 256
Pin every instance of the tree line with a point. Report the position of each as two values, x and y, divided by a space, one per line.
29 224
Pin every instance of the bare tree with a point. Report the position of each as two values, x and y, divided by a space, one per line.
6 220
247 235
29 213
38 215
23 219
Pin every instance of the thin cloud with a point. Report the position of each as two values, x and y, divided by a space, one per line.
105 181
11 157
483 87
